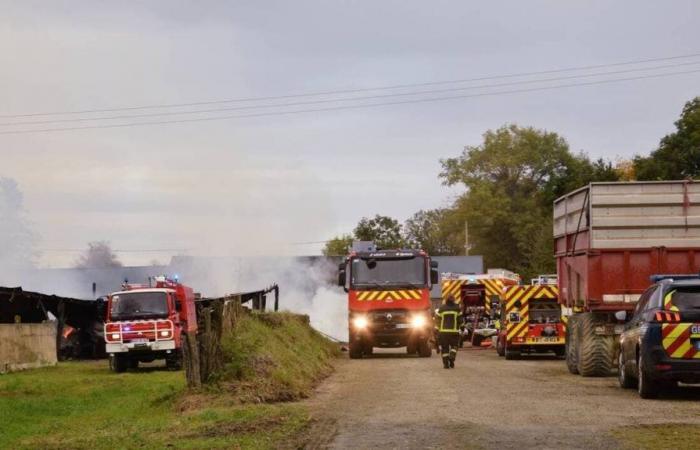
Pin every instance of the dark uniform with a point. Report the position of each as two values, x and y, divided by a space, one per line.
448 329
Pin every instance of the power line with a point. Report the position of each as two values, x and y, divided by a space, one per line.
350 91
326 101
348 107
72 250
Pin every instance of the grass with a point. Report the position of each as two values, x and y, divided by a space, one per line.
84 405
655 437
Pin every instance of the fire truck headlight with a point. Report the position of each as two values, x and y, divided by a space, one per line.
115 336
418 321
360 322
165 333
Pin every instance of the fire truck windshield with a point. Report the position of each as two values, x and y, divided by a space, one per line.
139 305
368 273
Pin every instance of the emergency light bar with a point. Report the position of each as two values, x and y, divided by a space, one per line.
685 276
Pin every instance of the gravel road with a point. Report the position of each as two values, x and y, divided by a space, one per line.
392 400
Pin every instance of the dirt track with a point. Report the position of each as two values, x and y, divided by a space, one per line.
395 401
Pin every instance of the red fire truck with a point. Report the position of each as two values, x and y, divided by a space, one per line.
146 322
388 299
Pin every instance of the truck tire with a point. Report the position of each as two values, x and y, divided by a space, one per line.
355 349
595 352
133 364
510 353
117 363
424 350
501 347
572 345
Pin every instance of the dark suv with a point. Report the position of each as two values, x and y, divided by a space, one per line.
660 345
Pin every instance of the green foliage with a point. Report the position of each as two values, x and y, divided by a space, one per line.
338 246
274 357
383 230
82 405
512 178
427 230
678 155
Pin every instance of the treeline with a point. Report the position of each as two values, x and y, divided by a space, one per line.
510 181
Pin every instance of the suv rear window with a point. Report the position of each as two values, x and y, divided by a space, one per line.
685 298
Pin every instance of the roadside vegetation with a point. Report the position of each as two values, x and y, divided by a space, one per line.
273 357
658 437
509 182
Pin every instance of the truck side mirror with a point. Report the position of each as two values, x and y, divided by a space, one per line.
341 275
434 276
621 316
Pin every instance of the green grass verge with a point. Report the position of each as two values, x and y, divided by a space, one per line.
655 437
84 405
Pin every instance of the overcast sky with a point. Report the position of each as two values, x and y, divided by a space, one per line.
255 185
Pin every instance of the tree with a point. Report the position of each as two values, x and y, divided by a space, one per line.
383 230
426 230
511 180
99 255
678 154
338 246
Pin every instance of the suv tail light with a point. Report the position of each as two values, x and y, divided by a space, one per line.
667 317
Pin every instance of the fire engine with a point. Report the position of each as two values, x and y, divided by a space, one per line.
480 298
532 320
388 299
145 322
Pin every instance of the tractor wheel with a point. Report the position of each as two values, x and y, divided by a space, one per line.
501 346
626 381
117 363
595 353
355 349
572 344
424 350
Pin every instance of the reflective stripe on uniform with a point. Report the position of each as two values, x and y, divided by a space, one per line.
443 315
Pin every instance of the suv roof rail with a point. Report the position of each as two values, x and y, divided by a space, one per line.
678 276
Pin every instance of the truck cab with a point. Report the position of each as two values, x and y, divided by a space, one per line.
388 300
145 322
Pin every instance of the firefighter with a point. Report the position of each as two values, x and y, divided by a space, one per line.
448 329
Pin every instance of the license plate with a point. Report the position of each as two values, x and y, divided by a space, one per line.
139 341
543 339
403 325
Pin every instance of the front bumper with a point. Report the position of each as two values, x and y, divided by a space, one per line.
152 346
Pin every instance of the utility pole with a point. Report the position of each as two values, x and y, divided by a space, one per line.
466 238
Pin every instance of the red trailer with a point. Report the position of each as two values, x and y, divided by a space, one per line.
609 238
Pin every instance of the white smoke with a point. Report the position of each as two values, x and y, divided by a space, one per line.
16 236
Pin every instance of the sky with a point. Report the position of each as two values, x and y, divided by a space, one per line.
262 185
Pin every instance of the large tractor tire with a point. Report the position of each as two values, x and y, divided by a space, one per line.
424 349
595 353
572 344
510 353
355 350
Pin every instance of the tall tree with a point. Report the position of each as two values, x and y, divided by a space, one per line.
99 255
678 154
383 230
511 180
426 230
338 246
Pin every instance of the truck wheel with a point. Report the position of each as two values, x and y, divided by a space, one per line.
424 350
647 387
626 381
511 354
572 345
117 363
411 348
355 349
133 363
595 353
500 347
